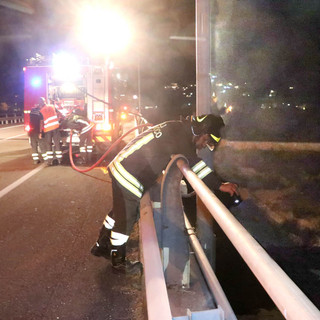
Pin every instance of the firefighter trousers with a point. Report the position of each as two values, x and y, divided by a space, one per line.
37 145
119 222
53 136
85 146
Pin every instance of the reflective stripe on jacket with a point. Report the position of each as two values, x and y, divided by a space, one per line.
201 169
143 159
50 118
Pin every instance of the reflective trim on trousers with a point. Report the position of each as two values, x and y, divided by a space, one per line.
118 239
108 222
35 156
58 154
50 155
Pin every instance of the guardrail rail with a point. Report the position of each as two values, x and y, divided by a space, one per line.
290 300
11 119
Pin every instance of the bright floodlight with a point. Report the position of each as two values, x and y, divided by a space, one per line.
65 67
103 31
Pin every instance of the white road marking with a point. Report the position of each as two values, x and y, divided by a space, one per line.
15 184
20 125
19 135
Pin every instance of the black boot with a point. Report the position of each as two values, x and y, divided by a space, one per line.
102 248
118 255
123 265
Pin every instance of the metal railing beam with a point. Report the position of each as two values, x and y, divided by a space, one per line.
211 279
158 306
287 296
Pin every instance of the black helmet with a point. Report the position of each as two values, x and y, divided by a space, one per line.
207 124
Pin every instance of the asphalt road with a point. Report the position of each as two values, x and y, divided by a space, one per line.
48 224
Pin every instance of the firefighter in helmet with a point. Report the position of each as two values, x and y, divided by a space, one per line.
78 122
138 165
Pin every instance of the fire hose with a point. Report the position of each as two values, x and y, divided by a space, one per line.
106 153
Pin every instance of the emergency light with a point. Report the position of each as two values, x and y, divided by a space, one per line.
123 116
36 82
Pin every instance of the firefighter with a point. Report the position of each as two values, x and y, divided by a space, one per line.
81 124
137 167
35 135
51 132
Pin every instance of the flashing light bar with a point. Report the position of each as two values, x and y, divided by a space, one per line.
36 82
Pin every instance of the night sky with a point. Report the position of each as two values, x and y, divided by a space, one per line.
50 28
266 43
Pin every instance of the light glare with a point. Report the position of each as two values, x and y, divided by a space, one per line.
103 31
65 67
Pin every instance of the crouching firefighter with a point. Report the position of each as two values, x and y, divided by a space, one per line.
80 123
136 168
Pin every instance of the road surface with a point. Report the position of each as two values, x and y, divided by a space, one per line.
47 225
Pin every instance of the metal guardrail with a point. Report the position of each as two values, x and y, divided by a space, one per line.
290 300
166 257
11 120
211 279
158 306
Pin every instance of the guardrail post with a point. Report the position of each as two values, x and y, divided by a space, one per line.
174 242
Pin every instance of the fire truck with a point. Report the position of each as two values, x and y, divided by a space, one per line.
95 89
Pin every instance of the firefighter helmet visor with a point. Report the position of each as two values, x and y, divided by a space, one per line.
208 124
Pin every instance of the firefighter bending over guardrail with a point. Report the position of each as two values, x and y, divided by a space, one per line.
136 168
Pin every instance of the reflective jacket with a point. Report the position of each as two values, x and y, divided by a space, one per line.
50 118
140 163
